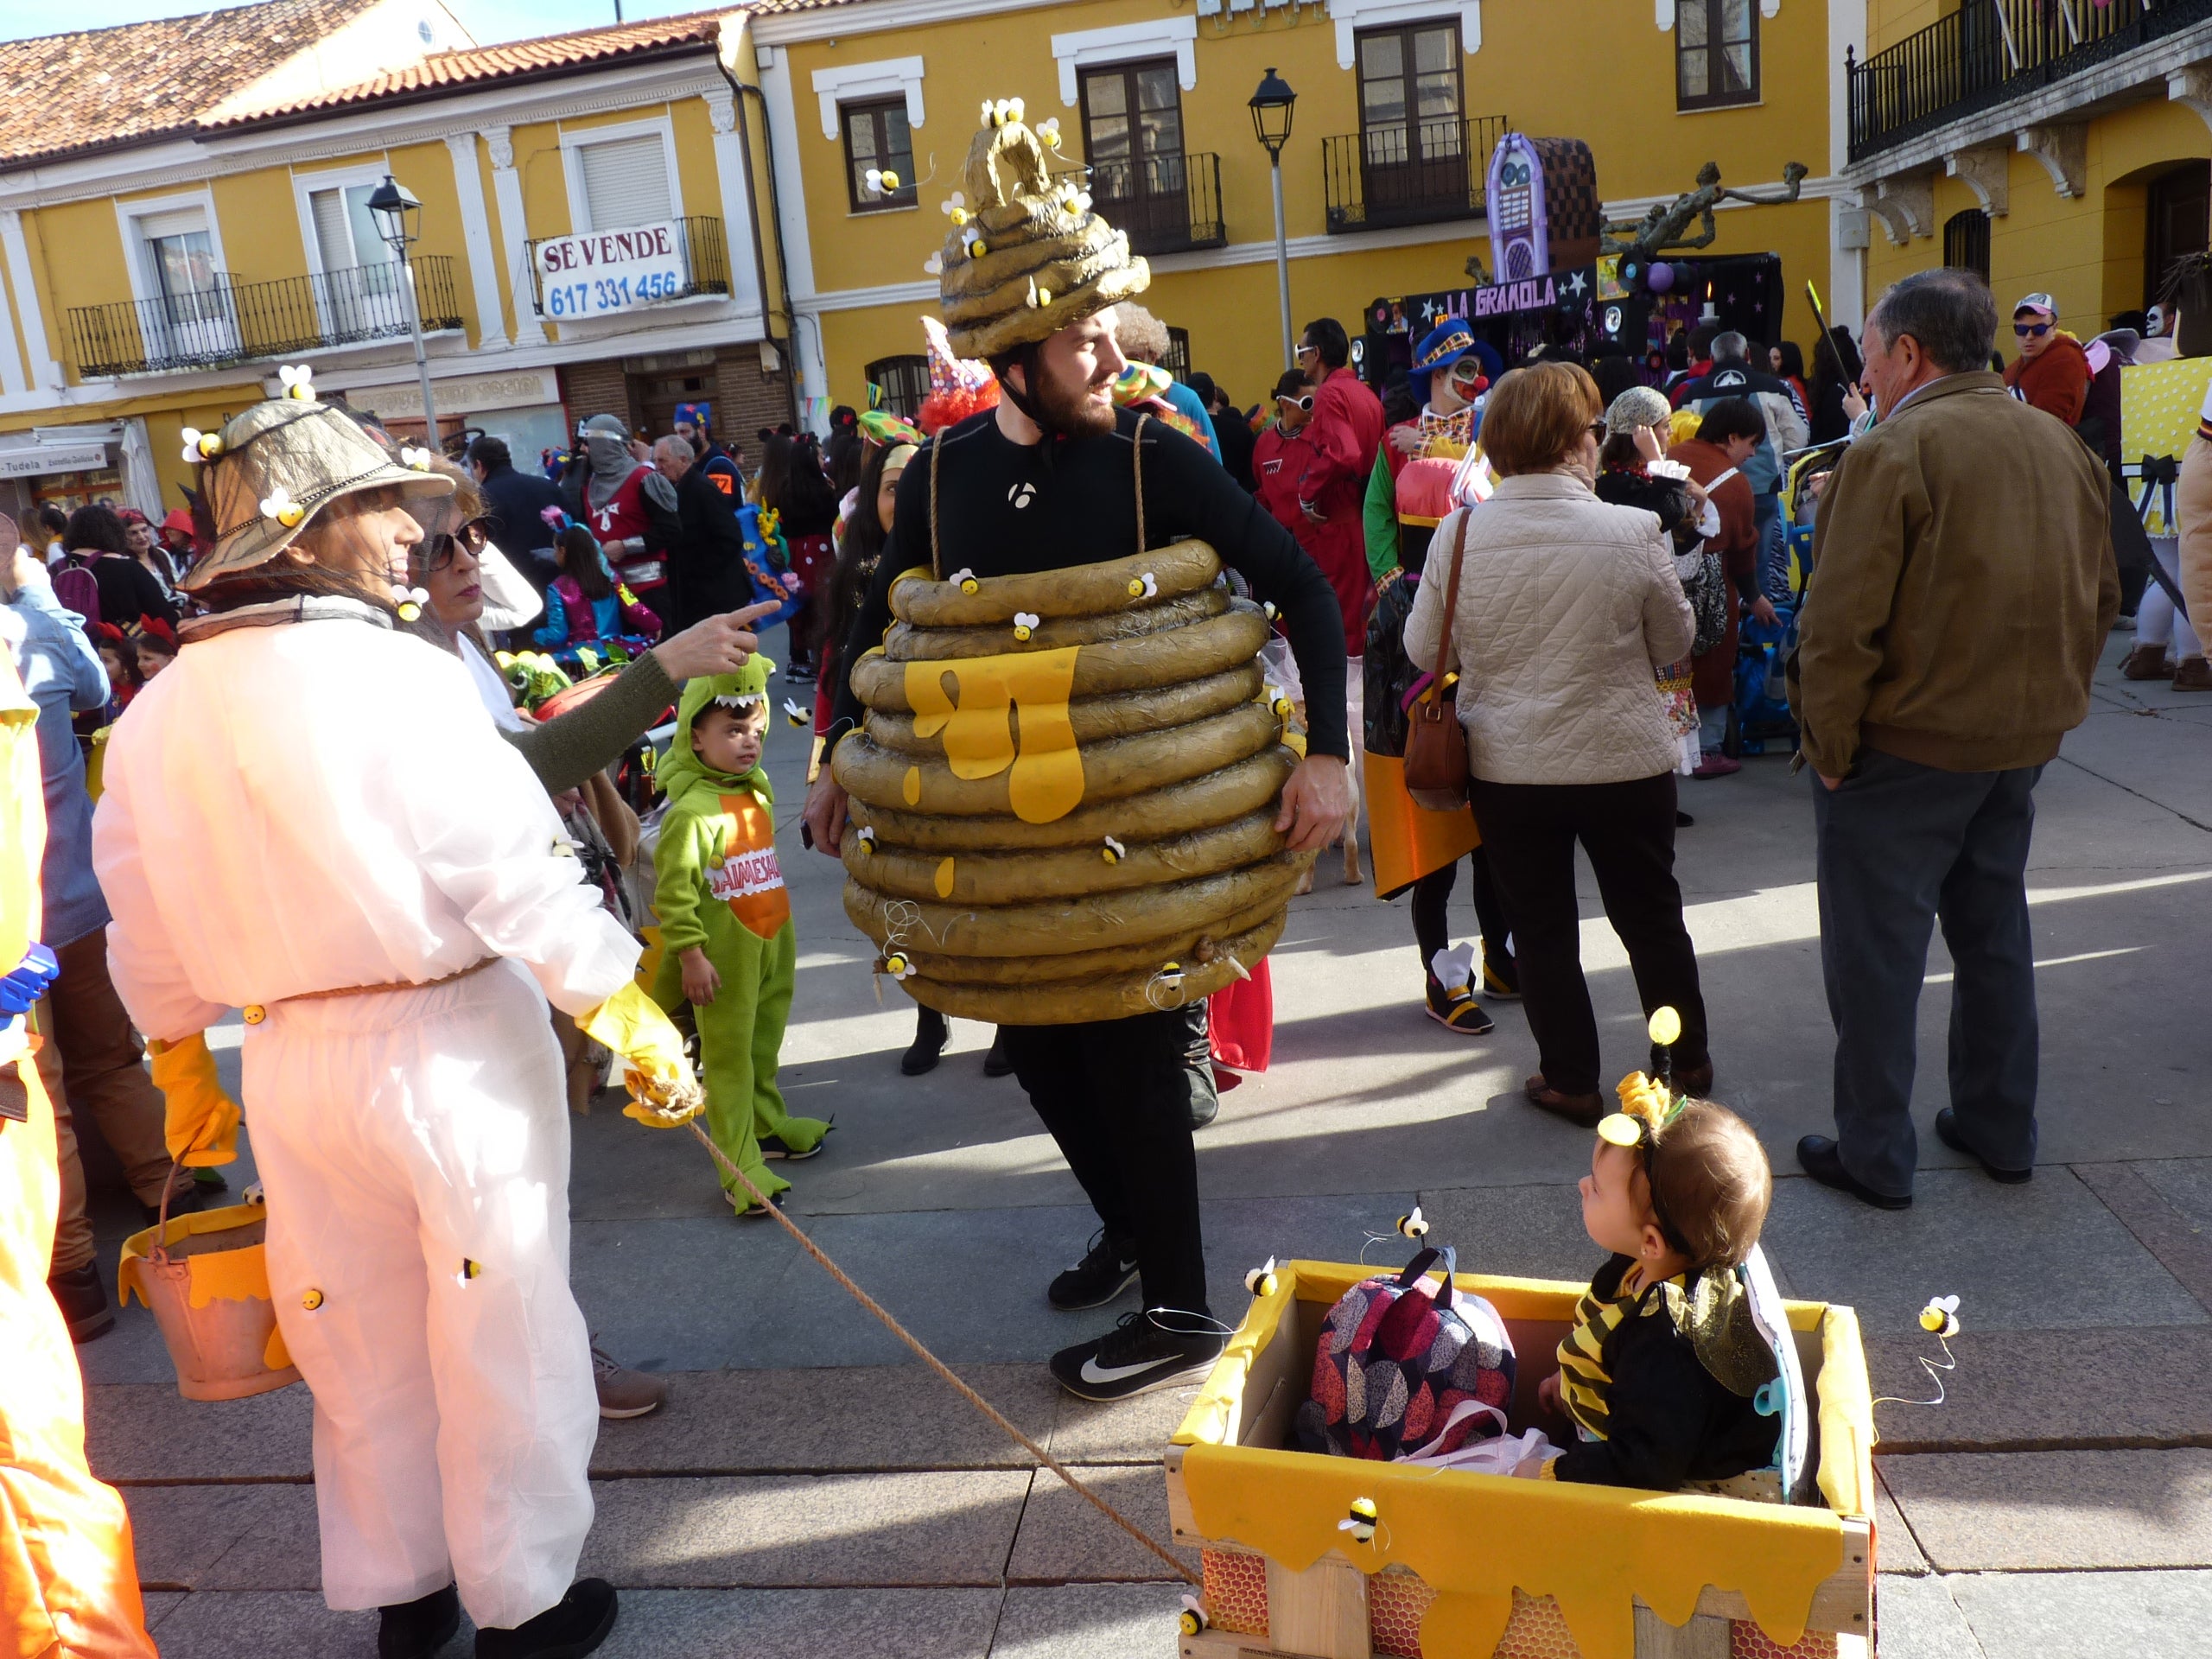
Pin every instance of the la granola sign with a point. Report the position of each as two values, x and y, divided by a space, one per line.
593 273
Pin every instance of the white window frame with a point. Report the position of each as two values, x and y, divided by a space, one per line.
144 284
1093 48
1352 15
573 139
1662 13
304 185
862 83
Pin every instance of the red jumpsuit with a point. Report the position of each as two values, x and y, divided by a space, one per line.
1344 432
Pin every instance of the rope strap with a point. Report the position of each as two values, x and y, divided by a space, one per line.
940 1367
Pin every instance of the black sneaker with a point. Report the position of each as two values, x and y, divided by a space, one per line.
1140 1354
573 1628
416 1629
931 1032
1501 980
995 1064
773 1146
83 1302
1456 1010
1107 1269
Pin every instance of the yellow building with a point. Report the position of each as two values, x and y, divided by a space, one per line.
185 204
2058 146
1400 104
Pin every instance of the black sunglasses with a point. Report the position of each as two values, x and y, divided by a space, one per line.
435 553
2025 330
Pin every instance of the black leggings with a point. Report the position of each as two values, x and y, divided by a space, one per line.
1432 927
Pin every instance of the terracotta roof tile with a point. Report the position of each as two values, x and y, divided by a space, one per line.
479 64
102 86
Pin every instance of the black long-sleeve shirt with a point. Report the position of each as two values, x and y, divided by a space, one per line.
1012 509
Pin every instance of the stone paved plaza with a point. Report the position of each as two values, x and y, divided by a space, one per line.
809 1495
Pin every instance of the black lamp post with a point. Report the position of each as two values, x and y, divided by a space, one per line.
398 218
1272 107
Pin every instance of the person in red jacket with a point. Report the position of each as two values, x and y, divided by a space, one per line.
1729 435
627 505
2052 372
1346 431
1281 456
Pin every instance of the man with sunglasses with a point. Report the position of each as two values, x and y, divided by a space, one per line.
2052 372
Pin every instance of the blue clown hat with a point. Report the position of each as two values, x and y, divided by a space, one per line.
1447 343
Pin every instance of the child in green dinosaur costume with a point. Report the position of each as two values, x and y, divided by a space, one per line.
726 922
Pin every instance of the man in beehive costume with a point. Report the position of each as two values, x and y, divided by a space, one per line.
68 1582
1049 481
314 819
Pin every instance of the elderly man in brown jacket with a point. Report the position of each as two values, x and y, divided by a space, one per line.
1963 585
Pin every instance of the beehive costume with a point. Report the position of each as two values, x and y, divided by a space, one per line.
1063 761
717 885
381 884
69 1579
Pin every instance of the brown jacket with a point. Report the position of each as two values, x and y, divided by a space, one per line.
1963 587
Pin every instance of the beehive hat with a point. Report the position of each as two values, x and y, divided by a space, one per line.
268 472
1029 256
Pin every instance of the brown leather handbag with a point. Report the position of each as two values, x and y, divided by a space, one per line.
1436 744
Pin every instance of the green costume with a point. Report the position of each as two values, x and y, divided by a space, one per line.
720 889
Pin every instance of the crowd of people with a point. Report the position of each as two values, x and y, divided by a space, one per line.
1557 555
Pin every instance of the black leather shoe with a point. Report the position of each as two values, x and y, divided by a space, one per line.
83 1301
996 1063
932 1032
1947 1131
573 1628
416 1629
1818 1157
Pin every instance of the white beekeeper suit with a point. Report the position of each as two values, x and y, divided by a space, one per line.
323 806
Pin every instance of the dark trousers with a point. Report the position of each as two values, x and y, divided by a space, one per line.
1432 927
1529 831
1116 1098
1902 845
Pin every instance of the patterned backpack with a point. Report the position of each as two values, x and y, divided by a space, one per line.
1405 1367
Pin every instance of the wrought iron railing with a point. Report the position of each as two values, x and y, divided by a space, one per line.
1409 172
1989 51
232 322
703 255
1167 203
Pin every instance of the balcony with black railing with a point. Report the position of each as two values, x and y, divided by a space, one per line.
1167 203
1409 172
702 267
1990 51
232 322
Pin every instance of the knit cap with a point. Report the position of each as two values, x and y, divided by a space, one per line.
1638 406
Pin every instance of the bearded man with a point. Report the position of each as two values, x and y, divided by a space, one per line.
1051 480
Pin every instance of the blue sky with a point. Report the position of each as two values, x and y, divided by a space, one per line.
487 20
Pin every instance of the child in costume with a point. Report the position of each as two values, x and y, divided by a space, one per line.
728 944
1661 1371
584 604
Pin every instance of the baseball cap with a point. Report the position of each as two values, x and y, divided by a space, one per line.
2041 302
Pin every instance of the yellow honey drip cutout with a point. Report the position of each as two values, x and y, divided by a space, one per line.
977 719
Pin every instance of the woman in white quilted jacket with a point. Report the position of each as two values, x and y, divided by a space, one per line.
1566 606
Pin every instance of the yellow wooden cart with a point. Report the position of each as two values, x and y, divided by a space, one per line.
1465 1565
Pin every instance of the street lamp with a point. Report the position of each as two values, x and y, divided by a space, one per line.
1271 112
398 218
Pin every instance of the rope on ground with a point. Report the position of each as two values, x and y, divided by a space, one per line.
938 1365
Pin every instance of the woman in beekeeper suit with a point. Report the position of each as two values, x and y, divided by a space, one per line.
314 820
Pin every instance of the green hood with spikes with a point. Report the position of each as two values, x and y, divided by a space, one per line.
681 769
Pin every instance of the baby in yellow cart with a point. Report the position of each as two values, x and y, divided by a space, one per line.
1665 1375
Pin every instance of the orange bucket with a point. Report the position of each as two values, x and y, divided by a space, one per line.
205 1276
